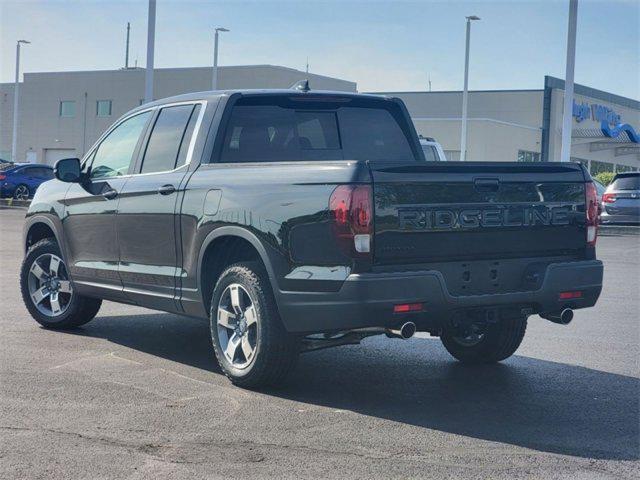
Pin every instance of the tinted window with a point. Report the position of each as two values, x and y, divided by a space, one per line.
275 132
40 172
114 155
372 134
630 182
164 143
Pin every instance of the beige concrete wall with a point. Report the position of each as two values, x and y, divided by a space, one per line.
487 141
516 106
6 119
499 122
41 127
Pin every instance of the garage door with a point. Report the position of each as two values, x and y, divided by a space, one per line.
52 155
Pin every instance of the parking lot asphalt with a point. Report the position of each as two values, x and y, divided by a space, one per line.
137 394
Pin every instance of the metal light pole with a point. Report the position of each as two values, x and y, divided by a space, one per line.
567 115
214 78
465 92
151 38
16 97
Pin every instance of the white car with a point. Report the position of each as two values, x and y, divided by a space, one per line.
432 150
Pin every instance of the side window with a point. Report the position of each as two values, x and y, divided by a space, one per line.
166 138
114 155
38 172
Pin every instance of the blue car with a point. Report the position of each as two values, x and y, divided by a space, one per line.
21 180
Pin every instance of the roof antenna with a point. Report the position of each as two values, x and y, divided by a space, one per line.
429 82
302 86
307 64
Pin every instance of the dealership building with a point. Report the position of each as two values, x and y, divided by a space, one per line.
526 125
63 113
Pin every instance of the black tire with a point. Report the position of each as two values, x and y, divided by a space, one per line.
78 311
275 352
500 341
19 188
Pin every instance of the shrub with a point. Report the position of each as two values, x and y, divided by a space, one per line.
605 178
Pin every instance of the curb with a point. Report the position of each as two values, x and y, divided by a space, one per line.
13 203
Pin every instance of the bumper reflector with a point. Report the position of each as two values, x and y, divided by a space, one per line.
408 307
569 295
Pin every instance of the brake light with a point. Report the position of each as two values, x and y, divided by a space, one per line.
592 211
2 176
608 197
351 209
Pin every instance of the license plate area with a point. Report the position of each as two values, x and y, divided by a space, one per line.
485 277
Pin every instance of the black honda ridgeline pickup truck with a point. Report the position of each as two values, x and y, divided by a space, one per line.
295 220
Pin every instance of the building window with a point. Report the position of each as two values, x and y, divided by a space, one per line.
527 156
599 167
452 155
624 168
103 108
67 108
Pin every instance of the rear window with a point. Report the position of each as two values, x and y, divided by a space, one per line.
273 130
627 182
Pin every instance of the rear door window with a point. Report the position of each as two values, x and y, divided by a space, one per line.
299 131
163 148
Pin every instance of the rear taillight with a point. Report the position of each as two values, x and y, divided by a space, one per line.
3 176
351 210
592 213
608 197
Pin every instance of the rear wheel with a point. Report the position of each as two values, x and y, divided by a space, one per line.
21 192
490 343
47 290
251 344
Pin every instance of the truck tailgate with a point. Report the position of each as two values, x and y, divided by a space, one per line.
457 211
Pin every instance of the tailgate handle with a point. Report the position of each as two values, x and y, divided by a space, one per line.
486 184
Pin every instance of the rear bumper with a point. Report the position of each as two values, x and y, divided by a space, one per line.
633 217
367 300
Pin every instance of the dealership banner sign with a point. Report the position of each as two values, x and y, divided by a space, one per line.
610 123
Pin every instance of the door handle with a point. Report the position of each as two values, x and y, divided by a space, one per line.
166 190
110 194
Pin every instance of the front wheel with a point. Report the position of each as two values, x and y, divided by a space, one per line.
47 290
251 344
493 343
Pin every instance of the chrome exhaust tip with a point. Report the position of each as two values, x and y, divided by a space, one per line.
406 330
564 317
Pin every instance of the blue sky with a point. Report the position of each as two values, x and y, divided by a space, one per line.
382 45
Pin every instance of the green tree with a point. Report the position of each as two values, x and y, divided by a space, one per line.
605 178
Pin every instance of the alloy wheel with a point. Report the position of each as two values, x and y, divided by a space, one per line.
21 193
49 285
237 323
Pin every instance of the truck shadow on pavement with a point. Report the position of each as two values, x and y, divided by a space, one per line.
537 404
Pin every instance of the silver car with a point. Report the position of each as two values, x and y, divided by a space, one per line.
621 200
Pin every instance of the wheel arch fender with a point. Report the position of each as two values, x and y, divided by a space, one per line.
32 222
254 241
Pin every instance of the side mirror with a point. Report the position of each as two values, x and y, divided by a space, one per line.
67 170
